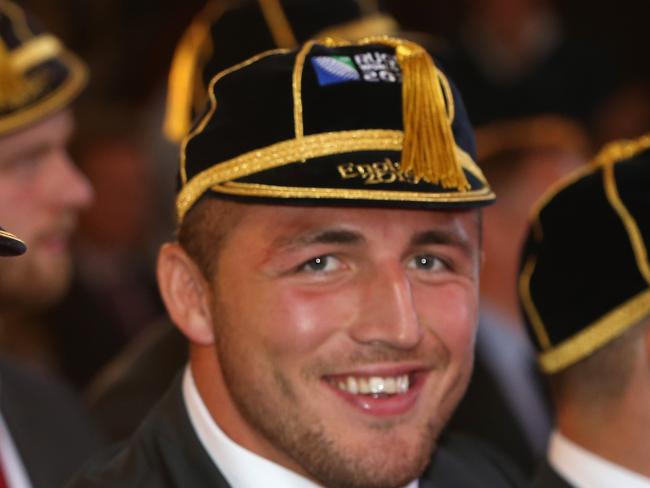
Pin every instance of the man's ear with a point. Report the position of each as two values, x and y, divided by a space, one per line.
186 294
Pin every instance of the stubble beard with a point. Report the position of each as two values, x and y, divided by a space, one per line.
30 285
303 438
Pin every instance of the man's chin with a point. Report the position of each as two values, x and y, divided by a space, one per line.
37 283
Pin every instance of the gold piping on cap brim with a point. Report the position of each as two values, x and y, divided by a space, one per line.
9 235
59 98
596 335
308 147
271 191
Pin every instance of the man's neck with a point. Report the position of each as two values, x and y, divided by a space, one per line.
619 434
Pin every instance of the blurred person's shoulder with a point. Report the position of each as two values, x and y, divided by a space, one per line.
47 421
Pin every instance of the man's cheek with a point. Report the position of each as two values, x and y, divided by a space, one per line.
303 320
451 314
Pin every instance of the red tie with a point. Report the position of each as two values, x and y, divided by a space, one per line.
3 479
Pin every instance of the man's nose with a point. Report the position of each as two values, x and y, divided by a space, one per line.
388 313
70 184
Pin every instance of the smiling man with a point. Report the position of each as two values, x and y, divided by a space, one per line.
326 275
41 189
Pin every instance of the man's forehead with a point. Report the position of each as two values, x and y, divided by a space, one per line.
288 223
54 129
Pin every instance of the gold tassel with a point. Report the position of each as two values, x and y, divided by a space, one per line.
429 146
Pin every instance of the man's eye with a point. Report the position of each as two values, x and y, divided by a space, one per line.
321 264
427 262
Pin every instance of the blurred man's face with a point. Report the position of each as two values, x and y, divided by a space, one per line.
41 193
345 336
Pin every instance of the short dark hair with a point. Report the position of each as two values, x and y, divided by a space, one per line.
204 230
602 376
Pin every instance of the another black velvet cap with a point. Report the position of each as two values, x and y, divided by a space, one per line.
228 32
38 76
585 274
10 245
326 125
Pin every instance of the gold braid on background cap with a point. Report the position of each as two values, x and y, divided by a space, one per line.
556 357
15 87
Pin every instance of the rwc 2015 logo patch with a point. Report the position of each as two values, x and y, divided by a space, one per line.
334 69
371 67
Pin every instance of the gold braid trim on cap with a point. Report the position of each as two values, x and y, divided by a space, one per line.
310 146
631 227
18 20
529 304
427 104
611 325
596 335
57 99
272 191
16 88
184 71
213 105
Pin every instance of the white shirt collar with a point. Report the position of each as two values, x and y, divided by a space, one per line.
239 466
584 469
11 463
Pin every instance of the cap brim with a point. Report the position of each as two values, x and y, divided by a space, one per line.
10 245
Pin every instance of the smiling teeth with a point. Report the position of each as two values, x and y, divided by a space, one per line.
375 385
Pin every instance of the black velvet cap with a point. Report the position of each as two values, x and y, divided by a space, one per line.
38 76
367 124
10 245
585 274
228 32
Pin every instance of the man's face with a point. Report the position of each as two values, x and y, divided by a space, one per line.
41 192
345 336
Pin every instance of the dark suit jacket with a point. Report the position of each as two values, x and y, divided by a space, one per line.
51 431
547 477
165 452
486 413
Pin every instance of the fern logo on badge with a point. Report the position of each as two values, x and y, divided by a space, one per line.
331 70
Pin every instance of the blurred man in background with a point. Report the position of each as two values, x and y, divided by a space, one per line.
584 288
44 433
41 190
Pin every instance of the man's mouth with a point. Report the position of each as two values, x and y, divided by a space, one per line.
379 394
373 385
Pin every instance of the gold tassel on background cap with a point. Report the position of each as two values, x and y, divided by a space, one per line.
429 146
